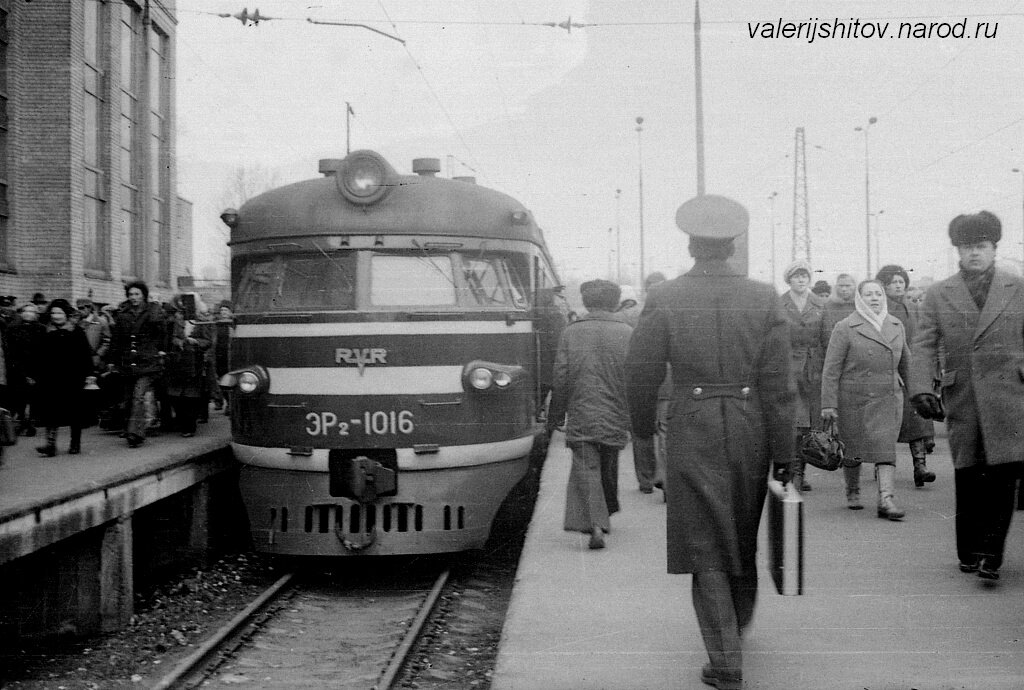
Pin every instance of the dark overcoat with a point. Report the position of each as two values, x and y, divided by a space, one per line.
589 387
731 412
185 372
808 340
914 426
983 379
64 359
137 337
864 379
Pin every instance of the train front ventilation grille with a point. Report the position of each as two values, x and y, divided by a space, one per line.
355 518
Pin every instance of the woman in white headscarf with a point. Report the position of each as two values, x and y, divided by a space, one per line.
862 382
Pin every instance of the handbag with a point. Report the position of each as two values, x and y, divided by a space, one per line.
822 447
8 432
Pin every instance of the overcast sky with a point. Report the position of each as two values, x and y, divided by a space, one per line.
548 116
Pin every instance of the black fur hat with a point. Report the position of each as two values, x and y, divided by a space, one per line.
975 227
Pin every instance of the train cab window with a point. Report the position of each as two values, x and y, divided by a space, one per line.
412 281
294 282
489 283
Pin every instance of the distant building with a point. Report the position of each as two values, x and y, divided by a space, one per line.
88 177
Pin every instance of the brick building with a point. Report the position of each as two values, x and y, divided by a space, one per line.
87 149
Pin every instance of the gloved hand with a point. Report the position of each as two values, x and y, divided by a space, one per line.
782 472
928 406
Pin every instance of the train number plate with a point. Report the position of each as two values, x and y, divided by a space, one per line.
375 423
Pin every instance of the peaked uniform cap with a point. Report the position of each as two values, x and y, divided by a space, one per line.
712 217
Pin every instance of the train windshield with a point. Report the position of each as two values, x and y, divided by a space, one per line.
444 280
294 282
408 281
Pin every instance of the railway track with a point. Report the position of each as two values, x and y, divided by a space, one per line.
351 630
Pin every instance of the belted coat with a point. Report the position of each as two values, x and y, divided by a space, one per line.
808 338
863 378
983 379
731 411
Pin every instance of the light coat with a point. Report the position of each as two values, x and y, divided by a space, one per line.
863 378
808 339
983 379
731 414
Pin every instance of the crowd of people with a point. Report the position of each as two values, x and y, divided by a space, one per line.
139 368
727 376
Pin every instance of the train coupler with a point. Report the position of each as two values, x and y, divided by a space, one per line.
361 478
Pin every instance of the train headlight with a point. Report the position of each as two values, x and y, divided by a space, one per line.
364 178
491 377
248 381
481 378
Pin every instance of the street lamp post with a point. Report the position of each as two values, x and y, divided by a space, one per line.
878 238
1021 173
640 161
771 212
618 236
867 191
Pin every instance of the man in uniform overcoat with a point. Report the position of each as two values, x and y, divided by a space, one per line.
975 320
732 415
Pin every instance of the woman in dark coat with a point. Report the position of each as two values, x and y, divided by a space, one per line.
866 365
917 432
185 372
808 338
64 360
731 415
24 338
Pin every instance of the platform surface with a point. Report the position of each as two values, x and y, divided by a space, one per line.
885 606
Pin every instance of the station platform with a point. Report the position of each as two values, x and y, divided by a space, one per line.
75 529
885 606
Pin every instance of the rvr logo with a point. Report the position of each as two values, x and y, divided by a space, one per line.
360 356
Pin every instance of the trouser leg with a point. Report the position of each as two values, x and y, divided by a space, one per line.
610 477
137 416
969 500
585 507
999 485
643 463
716 615
75 446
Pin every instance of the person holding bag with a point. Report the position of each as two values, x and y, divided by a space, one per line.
866 365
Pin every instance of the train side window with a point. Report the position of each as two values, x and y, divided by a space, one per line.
412 281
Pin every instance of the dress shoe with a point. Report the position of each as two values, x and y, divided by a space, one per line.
804 485
968 567
646 490
187 434
596 539
134 440
659 485
986 571
853 500
723 680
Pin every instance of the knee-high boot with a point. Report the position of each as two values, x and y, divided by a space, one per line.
50 449
852 476
887 492
76 441
918 451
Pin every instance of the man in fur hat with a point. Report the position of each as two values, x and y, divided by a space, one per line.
975 319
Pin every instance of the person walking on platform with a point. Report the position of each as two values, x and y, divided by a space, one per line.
727 340
25 338
808 339
973 324
861 388
64 361
185 372
589 393
841 303
915 431
139 341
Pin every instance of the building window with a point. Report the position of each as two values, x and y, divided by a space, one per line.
5 226
159 174
131 230
94 220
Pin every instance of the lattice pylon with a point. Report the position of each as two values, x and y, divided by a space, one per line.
801 218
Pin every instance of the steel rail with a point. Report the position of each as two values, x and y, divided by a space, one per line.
192 662
398 659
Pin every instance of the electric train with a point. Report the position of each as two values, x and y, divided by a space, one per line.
394 333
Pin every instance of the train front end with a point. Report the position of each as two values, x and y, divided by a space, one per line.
384 387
